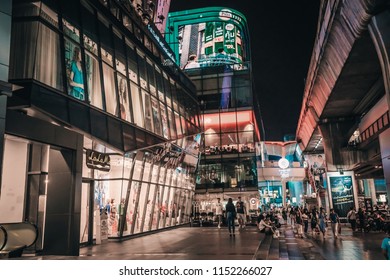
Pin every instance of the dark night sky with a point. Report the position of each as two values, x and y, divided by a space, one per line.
282 37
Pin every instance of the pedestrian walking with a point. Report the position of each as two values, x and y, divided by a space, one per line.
230 216
293 215
305 219
351 216
314 221
361 217
334 222
299 222
322 221
241 210
219 212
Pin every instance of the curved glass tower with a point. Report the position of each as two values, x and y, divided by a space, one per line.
212 46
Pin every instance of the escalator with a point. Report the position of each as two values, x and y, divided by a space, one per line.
15 237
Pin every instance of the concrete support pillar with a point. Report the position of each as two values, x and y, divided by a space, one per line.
336 134
379 29
284 193
371 185
384 143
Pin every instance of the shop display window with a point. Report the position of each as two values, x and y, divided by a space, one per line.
84 215
155 172
74 70
47 58
109 89
157 208
147 170
164 207
123 94
171 208
168 177
149 211
174 179
228 121
151 77
139 211
132 62
120 57
106 47
159 81
133 202
156 116
161 178
172 124
142 70
89 29
93 80
137 105
138 170
229 143
147 110
164 121
168 83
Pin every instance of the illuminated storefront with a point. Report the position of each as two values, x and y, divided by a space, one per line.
105 132
212 46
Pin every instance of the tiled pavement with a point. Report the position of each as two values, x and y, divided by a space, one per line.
211 243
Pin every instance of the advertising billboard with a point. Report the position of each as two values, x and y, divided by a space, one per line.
210 44
208 37
342 194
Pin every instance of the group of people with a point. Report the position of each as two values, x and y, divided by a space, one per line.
232 212
300 218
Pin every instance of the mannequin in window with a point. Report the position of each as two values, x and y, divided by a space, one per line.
76 82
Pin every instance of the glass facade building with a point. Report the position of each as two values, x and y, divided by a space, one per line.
213 50
101 133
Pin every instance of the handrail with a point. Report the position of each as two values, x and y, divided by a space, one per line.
3 237
19 235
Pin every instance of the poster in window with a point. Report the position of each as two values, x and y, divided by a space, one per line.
74 70
124 107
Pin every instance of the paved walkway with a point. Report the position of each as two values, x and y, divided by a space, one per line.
211 243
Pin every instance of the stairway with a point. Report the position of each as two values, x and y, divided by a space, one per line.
283 248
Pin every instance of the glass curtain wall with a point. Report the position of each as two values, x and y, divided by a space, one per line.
139 191
228 152
88 56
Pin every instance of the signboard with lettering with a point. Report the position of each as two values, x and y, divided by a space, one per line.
97 160
342 194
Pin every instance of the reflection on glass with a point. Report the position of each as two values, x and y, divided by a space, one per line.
74 70
71 31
